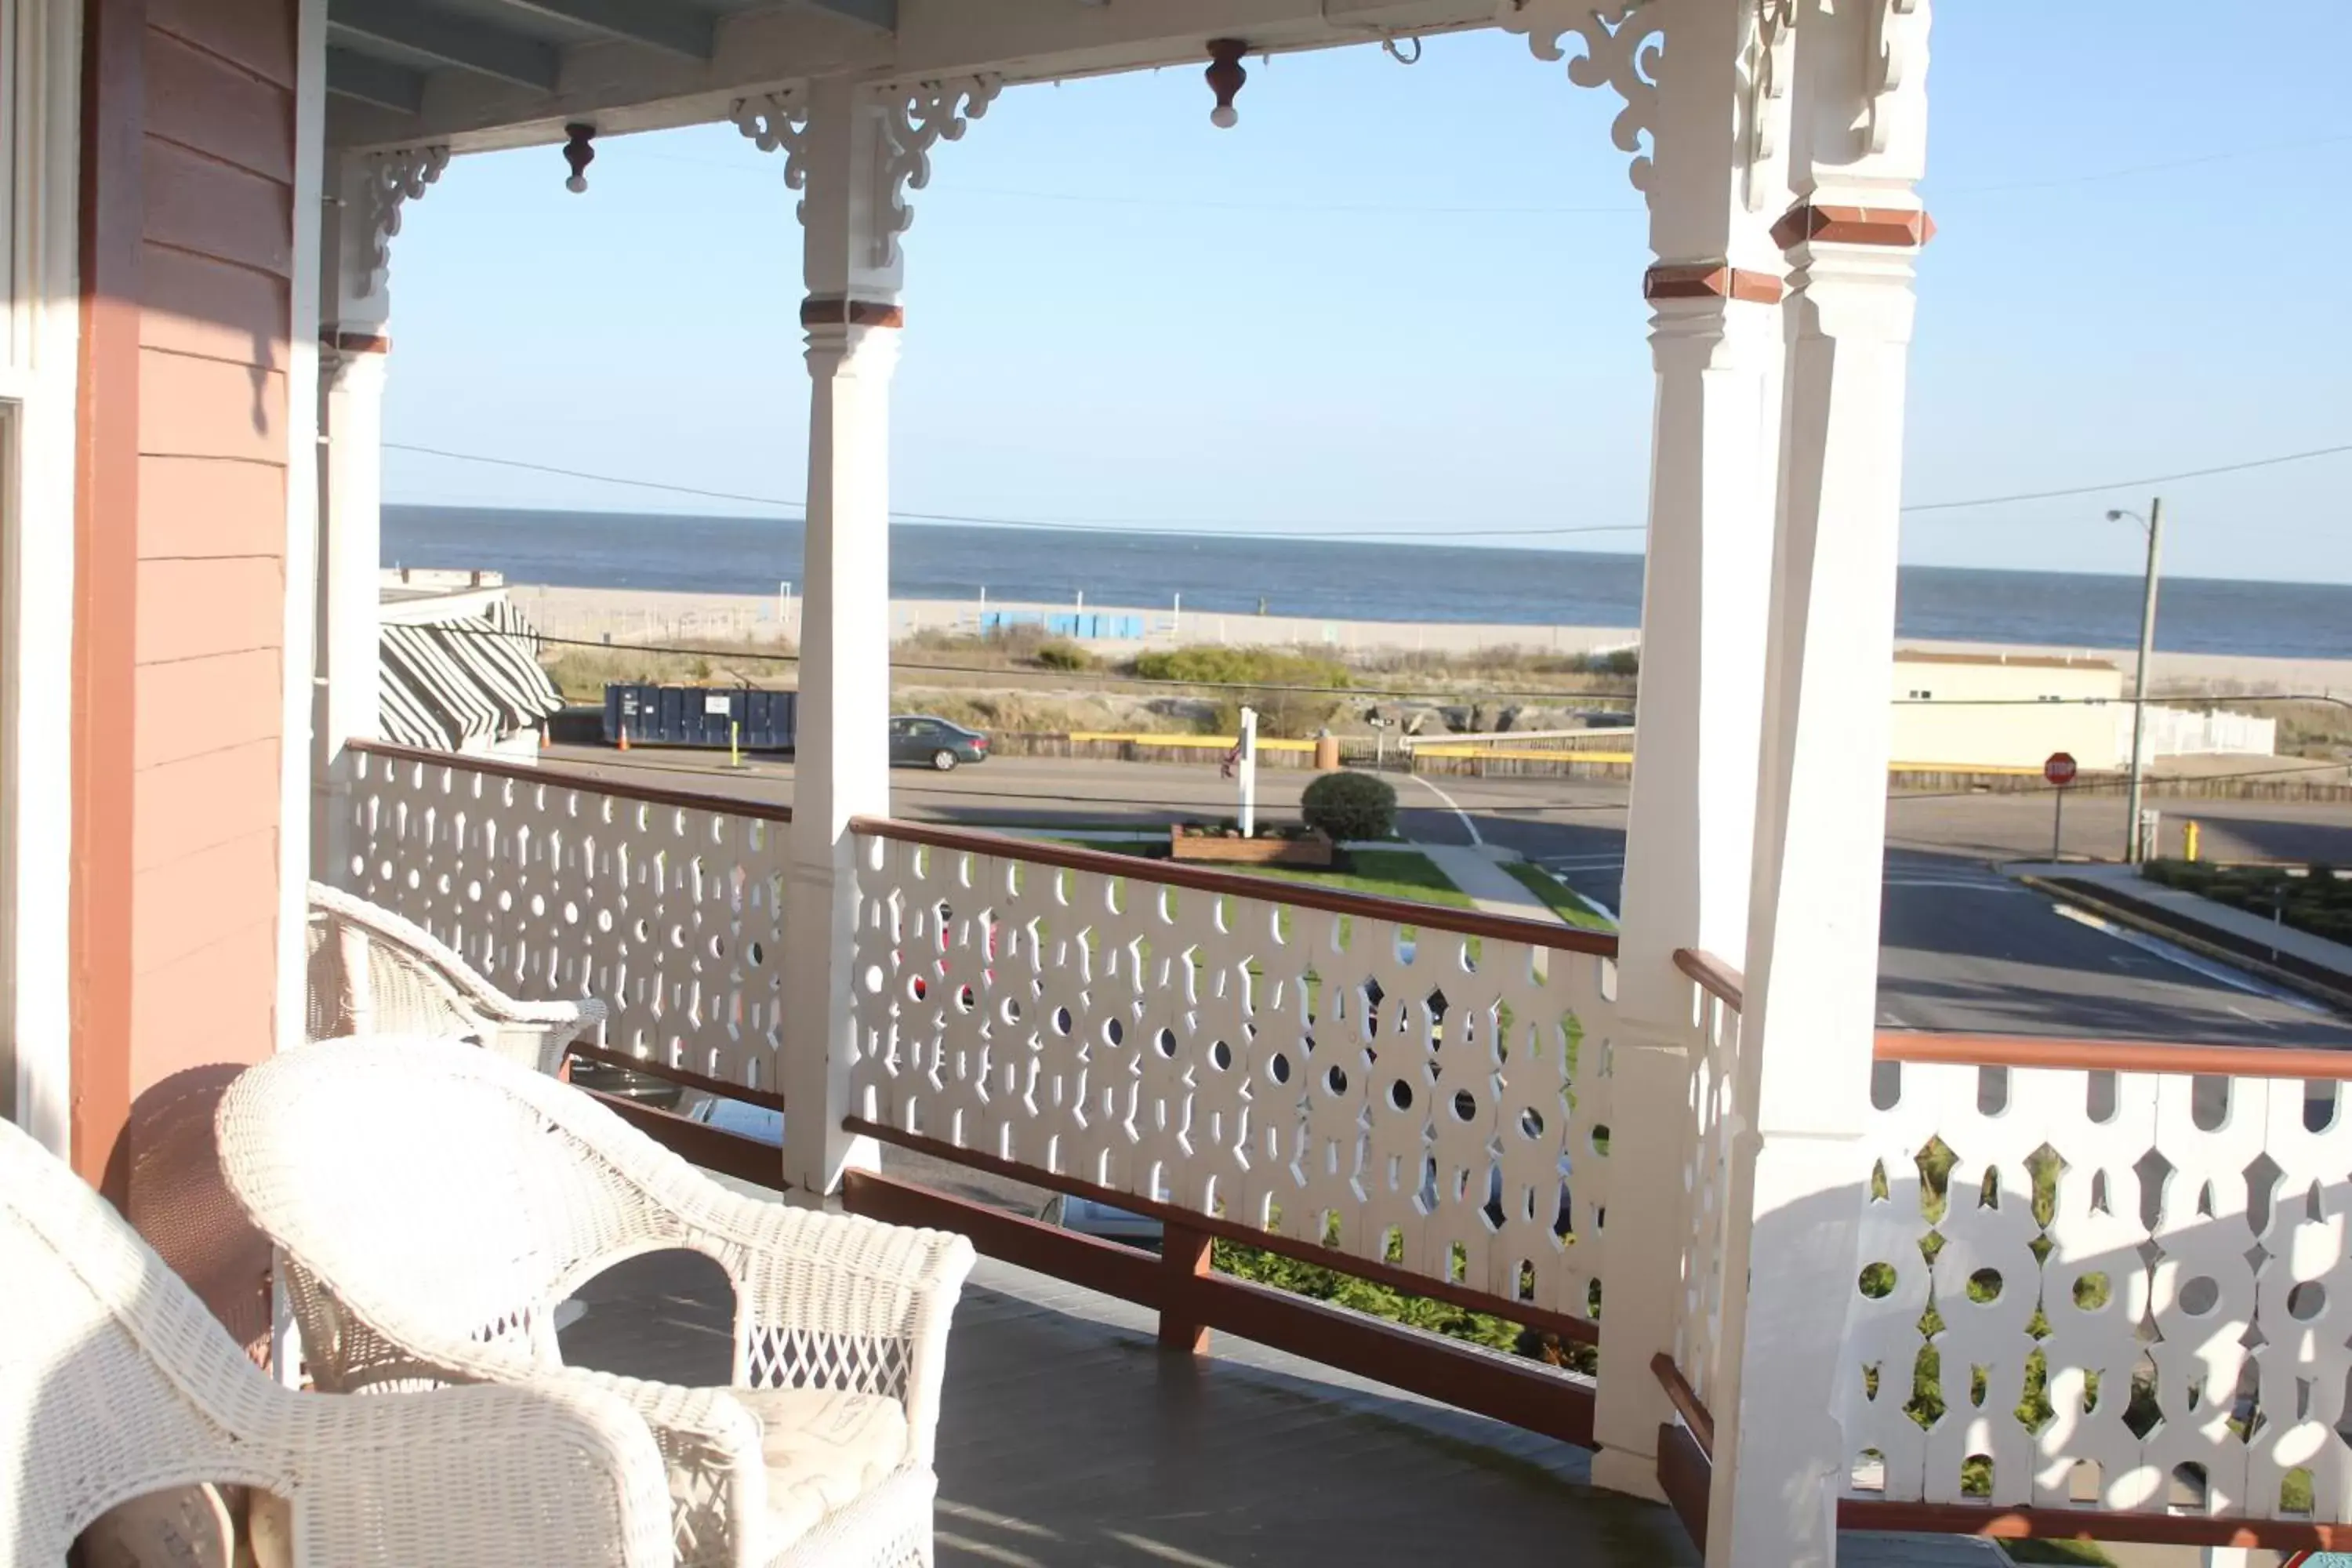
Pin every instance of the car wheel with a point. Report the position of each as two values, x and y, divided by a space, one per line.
943 760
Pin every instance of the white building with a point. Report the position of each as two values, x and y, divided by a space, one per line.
1967 711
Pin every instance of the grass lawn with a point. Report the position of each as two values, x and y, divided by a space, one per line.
1556 896
1405 874
2076 1551
2319 903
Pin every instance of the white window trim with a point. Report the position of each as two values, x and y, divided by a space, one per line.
39 370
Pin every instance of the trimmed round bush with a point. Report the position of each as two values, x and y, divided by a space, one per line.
1349 805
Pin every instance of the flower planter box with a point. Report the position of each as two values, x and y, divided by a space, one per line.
1313 849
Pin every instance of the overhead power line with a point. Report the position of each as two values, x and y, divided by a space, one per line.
2134 484
1192 527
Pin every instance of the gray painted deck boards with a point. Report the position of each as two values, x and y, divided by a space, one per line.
1069 1440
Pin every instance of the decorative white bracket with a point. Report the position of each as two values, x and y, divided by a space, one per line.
778 119
914 119
1897 32
1623 48
392 180
1765 69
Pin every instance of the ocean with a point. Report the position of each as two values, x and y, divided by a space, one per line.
1338 578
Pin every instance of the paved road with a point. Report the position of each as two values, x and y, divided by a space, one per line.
1963 947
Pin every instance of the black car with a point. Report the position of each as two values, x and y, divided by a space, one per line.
935 742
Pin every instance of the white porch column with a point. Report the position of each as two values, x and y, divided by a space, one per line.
855 150
1716 182
355 239
1859 141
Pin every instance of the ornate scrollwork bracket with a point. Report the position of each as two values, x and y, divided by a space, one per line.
1897 36
916 118
779 121
392 180
1765 69
1623 48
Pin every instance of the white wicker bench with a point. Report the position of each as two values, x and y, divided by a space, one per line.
374 972
435 1203
117 1388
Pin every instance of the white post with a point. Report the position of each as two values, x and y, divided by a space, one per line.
356 233
1246 769
1716 183
859 146
300 830
1859 145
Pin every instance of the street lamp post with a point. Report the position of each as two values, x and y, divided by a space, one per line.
2134 848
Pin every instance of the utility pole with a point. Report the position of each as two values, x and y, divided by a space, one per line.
2134 849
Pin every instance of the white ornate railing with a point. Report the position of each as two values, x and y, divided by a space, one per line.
669 908
1429 1086
2096 1285
1713 1125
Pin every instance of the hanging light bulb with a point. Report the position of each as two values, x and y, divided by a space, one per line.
1225 76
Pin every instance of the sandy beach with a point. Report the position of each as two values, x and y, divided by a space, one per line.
642 616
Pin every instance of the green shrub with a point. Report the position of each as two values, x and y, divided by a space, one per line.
1349 805
1065 656
1240 666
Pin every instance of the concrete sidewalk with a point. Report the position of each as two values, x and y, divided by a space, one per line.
1492 889
2198 914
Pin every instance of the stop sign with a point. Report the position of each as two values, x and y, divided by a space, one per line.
2060 769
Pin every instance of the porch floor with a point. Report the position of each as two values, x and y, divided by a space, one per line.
1068 1438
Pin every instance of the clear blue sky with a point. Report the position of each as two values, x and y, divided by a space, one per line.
1402 296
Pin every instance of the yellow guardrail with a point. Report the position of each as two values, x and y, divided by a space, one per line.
1472 750
1551 754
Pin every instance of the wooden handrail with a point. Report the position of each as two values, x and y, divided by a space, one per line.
1686 1401
2115 1056
1580 1331
1513 1389
1714 977
1165 873
565 778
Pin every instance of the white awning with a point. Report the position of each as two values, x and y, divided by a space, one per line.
449 684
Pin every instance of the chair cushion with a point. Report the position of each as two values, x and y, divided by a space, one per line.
824 1449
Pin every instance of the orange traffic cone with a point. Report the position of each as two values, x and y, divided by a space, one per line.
625 737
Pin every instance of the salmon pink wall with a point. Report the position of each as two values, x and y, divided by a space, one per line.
188 257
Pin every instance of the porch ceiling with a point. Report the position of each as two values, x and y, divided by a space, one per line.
385 52
480 74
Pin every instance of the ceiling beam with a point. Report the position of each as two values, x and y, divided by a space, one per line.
451 39
880 14
367 80
657 23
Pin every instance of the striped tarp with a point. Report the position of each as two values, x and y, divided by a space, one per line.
450 684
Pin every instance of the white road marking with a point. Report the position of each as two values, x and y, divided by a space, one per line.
1467 825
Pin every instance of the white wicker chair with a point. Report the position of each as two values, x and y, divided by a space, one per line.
372 972
435 1203
116 1384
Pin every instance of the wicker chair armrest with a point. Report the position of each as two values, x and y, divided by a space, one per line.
862 1303
556 1474
709 1445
